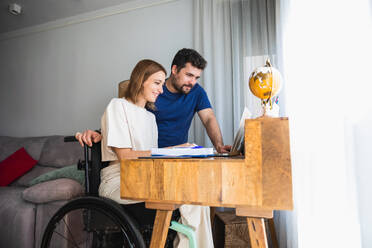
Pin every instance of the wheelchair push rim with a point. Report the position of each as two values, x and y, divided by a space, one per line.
92 222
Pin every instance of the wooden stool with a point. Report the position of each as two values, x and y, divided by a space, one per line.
231 231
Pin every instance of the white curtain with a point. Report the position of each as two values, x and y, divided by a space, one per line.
324 46
234 43
212 40
323 49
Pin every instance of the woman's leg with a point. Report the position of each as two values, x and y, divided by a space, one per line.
110 184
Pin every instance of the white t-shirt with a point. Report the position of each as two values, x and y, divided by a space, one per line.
126 125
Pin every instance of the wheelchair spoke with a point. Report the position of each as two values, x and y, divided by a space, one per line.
89 244
68 228
73 243
86 242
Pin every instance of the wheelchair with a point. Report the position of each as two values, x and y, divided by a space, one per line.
98 222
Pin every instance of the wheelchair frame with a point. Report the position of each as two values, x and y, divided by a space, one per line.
92 204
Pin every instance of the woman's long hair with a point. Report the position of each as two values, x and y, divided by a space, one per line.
141 72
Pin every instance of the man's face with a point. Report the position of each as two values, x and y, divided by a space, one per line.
186 78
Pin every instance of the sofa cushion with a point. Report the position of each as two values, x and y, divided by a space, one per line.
15 166
55 190
70 172
17 219
58 153
38 170
33 145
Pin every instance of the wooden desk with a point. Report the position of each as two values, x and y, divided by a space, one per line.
254 184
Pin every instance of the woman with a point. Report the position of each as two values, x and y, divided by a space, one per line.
130 131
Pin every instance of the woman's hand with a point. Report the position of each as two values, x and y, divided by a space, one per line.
183 145
87 137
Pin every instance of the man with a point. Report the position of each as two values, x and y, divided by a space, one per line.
182 97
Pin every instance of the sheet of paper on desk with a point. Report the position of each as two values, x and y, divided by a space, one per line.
189 151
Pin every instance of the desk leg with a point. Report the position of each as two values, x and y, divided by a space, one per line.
161 226
273 233
257 232
212 214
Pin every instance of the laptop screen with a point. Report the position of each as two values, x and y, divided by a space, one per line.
239 136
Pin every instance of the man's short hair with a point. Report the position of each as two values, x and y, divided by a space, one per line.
187 55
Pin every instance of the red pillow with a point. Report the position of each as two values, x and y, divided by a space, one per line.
15 166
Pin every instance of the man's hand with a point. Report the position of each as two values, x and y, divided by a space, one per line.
87 137
223 148
213 130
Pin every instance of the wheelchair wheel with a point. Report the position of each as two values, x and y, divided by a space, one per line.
92 222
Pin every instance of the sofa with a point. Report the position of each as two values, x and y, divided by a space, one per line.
24 209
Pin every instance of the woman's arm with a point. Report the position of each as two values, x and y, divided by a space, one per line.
128 153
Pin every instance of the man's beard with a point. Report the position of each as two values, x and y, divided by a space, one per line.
180 89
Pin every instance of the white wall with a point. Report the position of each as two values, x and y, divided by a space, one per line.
60 80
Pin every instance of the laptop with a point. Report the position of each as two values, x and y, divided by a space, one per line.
238 144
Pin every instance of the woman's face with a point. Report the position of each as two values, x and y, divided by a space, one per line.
153 86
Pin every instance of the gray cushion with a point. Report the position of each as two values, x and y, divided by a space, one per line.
30 175
55 190
70 172
33 146
17 219
58 153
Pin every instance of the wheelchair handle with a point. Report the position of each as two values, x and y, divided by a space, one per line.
86 161
70 139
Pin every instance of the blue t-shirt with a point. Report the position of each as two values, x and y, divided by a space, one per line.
174 113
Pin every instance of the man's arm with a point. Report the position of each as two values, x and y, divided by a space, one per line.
213 130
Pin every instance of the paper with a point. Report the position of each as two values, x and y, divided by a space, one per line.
184 151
